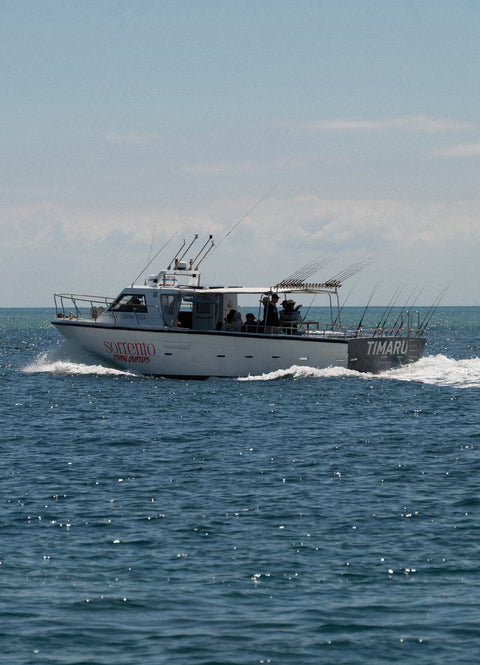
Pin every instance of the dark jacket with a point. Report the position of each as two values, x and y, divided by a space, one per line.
271 314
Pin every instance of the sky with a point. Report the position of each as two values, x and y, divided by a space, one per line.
337 129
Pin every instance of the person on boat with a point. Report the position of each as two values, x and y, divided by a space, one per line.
134 302
238 322
233 321
290 317
271 318
251 325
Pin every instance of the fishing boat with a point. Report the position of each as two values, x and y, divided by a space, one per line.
173 326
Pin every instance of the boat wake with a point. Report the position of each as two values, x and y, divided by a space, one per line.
302 372
66 359
440 371
432 370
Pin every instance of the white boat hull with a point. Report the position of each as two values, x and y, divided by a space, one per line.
197 354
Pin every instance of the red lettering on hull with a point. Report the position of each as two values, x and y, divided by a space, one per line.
130 352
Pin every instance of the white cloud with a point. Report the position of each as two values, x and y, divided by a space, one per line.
312 218
29 225
366 223
78 250
459 150
418 123
39 226
412 243
304 221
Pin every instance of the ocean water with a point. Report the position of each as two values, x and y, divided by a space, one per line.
302 517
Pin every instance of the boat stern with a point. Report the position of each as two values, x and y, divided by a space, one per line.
378 354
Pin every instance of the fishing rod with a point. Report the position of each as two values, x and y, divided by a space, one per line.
160 250
367 306
345 274
304 272
388 310
309 307
249 211
420 291
432 310
406 306
349 271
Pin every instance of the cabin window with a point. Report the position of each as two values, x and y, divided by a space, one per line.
129 302
170 306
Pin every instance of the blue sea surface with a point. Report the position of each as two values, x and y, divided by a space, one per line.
302 517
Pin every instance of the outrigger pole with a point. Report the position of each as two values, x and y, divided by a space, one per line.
178 258
181 257
210 240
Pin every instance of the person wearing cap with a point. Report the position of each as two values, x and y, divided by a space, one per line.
290 317
251 324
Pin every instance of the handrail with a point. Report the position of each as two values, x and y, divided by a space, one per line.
96 305
62 301
69 305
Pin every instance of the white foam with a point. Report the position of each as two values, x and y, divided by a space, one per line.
301 372
441 371
433 370
66 359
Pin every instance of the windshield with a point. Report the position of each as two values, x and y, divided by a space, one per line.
129 303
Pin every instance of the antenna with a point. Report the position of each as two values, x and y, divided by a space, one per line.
160 250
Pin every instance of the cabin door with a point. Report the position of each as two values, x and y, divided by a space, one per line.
205 313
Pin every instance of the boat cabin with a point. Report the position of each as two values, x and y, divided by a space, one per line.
173 306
